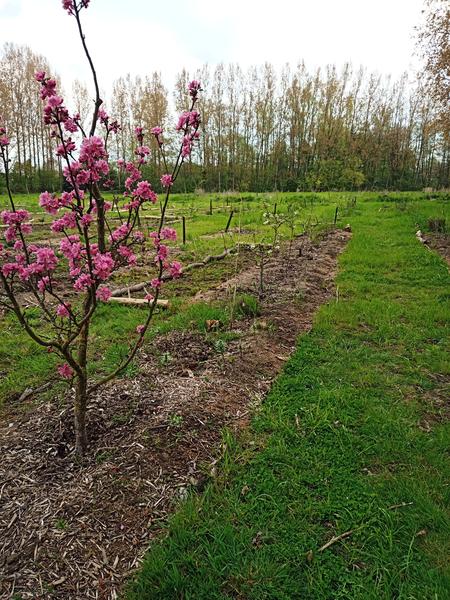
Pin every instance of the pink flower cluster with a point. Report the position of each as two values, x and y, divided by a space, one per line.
72 7
51 203
162 253
157 132
4 139
194 88
110 126
167 180
37 263
188 123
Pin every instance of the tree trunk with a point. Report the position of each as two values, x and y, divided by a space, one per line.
80 415
81 395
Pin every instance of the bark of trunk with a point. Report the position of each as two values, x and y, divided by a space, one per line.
80 416
81 395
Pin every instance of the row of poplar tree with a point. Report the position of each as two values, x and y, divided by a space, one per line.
262 128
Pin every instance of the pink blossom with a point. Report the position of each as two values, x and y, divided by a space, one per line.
149 297
71 248
127 254
14 217
46 259
39 76
166 180
142 151
175 269
43 284
114 127
55 101
103 293
71 170
86 220
156 283
71 125
139 132
188 119
82 282
65 371
49 202
163 252
138 236
83 177
194 88
10 234
102 167
120 233
144 191
140 329
4 141
67 221
103 265
10 268
48 88
167 233
68 6
92 149
62 311
65 148
68 197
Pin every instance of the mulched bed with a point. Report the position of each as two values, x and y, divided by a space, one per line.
72 530
440 242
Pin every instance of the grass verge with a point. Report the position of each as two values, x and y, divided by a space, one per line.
353 437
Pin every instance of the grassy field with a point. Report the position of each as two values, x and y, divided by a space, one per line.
24 365
353 439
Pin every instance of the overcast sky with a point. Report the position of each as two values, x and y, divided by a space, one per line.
141 36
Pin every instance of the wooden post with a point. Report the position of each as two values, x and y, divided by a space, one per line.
184 230
336 214
229 221
275 209
210 206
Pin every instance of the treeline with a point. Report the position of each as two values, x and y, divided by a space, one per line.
262 129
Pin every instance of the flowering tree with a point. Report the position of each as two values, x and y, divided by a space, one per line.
90 247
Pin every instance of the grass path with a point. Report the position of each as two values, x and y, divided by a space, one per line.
353 428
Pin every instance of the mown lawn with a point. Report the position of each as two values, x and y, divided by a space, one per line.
354 436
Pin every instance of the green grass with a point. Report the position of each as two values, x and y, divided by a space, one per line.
23 364
335 445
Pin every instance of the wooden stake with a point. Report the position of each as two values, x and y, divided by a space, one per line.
184 230
229 221
336 214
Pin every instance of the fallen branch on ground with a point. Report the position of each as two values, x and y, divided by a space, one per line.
139 302
335 539
140 286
